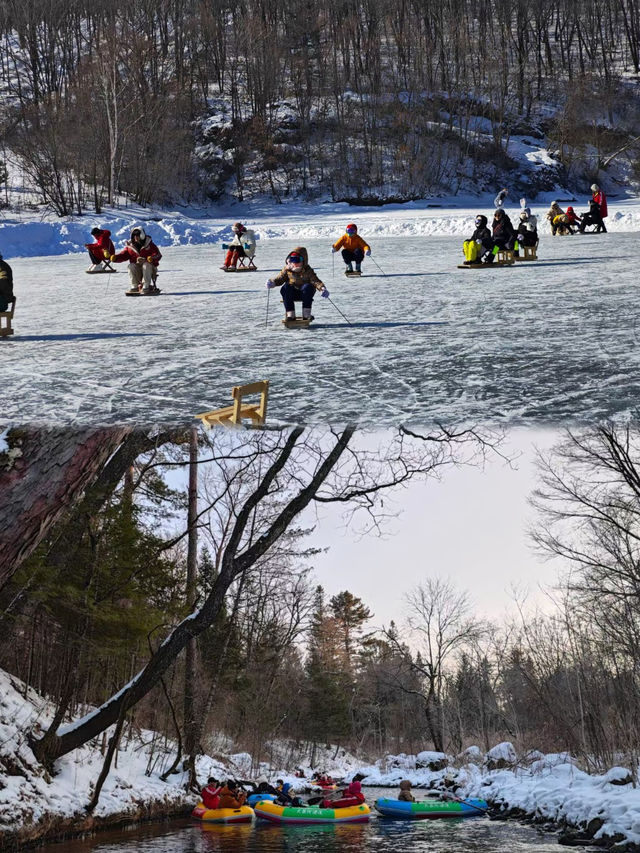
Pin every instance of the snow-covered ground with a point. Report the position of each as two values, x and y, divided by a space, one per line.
556 340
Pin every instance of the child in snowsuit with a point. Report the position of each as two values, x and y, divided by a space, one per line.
101 250
243 245
405 794
299 283
6 285
527 228
480 244
573 220
353 247
143 256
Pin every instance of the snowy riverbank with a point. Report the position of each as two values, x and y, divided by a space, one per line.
35 805
33 235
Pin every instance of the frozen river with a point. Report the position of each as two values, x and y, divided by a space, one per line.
535 343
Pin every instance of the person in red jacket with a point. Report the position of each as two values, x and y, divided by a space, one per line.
211 794
350 796
101 250
143 256
601 200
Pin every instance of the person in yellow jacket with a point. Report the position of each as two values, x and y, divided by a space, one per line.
353 247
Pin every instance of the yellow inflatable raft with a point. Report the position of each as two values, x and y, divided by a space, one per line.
244 814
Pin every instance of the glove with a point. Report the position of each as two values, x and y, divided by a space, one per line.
333 250
368 252
270 284
112 258
325 293
106 254
225 245
149 260
246 247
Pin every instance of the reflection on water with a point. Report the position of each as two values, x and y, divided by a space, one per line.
469 835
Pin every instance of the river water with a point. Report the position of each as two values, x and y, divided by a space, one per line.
468 835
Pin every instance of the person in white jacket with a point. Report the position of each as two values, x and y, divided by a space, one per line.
243 245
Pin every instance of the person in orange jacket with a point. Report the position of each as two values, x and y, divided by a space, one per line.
353 247
231 797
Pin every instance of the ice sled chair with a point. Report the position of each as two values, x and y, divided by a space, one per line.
233 415
246 261
6 317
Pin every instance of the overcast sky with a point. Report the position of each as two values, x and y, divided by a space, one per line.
470 527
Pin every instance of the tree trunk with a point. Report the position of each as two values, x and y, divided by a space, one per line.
190 717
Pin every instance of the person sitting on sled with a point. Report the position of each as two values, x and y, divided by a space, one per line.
143 256
353 247
503 233
480 244
593 217
527 228
299 283
6 285
101 250
243 245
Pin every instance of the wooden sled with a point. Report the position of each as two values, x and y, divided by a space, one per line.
529 254
234 415
6 317
298 323
154 292
241 269
353 273
99 272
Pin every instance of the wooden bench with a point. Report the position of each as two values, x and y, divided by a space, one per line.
233 415
6 317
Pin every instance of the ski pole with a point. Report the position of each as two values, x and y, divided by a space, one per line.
378 265
339 311
266 322
333 265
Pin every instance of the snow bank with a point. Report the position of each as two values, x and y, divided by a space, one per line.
29 236
547 787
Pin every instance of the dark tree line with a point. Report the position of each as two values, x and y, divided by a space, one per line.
179 99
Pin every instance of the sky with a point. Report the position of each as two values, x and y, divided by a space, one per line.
470 527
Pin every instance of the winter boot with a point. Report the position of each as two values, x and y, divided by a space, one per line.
94 267
349 267
306 314
357 266
291 315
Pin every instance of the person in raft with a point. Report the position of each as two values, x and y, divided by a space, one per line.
6 285
298 283
143 256
231 797
211 794
262 786
480 244
353 247
243 245
350 796
405 794
101 249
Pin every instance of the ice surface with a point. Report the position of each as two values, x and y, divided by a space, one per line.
556 340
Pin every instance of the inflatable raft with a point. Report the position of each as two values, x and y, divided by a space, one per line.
252 799
430 808
311 814
242 815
